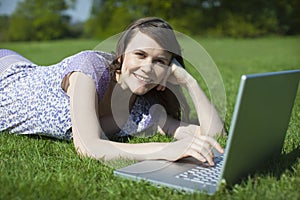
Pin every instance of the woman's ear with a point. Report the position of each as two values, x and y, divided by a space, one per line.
120 59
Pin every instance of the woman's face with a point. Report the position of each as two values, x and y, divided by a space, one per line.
145 64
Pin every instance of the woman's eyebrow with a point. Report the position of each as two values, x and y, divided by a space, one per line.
138 50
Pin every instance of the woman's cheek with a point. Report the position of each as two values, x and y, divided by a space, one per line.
129 67
161 74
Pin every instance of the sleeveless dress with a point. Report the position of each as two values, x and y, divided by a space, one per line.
33 102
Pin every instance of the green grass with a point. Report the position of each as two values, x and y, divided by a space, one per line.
39 168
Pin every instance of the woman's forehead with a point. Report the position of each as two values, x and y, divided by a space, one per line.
143 42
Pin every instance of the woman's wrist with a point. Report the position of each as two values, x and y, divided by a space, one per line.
187 130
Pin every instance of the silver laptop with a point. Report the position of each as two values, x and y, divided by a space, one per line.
258 128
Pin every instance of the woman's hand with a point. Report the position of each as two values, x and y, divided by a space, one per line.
190 142
194 145
176 75
208 117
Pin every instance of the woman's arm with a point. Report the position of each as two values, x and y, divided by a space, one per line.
89 139
210 122
88 135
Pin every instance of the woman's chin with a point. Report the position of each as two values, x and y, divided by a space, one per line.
140 91
143 89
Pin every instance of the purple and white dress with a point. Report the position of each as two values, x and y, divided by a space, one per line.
33 102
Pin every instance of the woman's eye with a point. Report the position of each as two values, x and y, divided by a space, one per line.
140 54
161 62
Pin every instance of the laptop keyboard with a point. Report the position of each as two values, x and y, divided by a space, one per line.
204 174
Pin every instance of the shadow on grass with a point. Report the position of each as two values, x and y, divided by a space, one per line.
277 166
285 162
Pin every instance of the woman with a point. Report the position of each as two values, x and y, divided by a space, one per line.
95 98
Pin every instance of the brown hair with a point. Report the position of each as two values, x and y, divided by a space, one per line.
163 34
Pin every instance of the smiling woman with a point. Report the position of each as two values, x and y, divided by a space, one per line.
97 99
145 66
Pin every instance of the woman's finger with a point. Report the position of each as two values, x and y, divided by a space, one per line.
204 149
203 145
160 88
211 141
197 156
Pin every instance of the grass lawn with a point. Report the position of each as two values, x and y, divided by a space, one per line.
39 168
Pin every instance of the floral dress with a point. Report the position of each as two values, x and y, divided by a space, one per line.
33 102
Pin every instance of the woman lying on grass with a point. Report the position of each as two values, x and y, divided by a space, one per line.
98 99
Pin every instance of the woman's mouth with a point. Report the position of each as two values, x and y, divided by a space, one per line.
144 79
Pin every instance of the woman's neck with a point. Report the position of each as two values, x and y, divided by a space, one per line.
114 108
117 99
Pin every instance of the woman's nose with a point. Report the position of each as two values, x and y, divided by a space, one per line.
147 65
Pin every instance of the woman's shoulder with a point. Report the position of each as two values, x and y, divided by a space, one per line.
94 55
92 63
88 60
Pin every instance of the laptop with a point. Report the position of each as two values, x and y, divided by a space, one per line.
257 131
